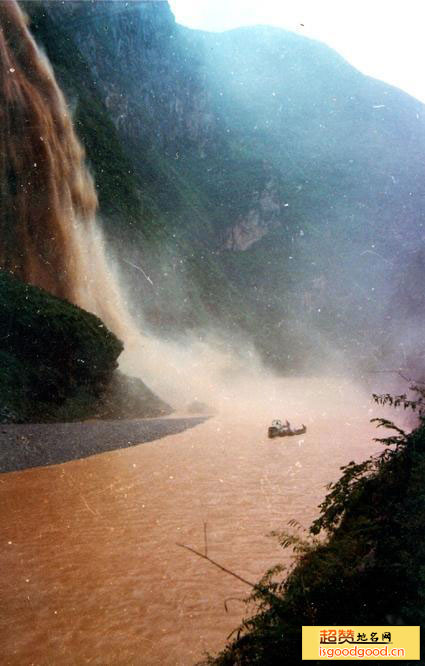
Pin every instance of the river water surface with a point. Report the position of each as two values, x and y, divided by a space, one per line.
90 567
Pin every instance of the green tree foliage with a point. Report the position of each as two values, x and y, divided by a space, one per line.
50 352
361 562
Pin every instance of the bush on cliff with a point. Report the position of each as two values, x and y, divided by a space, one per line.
52 354
367 569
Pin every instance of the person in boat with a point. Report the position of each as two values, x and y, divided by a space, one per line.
286 428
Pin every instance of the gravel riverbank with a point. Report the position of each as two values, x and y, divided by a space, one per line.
40 444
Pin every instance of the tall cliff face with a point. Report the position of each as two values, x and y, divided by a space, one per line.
259 165
156 84
153 86
248 96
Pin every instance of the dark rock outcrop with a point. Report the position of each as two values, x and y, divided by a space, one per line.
58 362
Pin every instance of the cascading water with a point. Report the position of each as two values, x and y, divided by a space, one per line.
48 231
46 191
49 236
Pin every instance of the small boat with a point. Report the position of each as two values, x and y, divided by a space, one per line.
279 429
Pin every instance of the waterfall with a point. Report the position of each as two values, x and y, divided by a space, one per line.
49 236
48 231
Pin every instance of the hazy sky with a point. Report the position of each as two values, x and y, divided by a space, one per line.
382 38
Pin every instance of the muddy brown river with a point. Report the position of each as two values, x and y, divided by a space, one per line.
90 569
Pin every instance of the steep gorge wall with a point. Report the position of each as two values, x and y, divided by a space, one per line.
273 182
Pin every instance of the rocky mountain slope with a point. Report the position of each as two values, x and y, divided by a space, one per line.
261 182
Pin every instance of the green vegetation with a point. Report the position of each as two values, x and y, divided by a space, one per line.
362 561
56 360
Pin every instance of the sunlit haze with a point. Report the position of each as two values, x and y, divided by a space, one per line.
382 39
